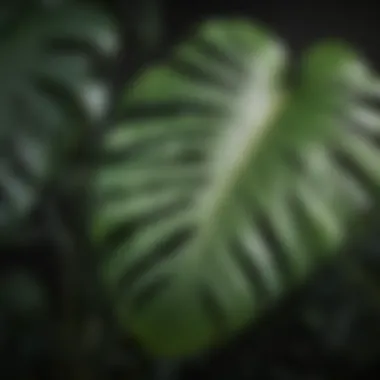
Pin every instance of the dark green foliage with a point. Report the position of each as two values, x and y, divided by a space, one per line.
81 294
48 92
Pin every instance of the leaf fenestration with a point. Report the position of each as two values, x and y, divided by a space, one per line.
266 190
50 91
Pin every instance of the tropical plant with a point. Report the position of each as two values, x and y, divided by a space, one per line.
223 186
48 92
218 185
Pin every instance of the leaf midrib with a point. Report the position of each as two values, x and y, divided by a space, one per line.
256 131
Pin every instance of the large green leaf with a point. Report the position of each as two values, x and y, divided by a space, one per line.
222 188
49 88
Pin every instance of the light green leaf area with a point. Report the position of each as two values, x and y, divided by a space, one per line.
223 188
49 93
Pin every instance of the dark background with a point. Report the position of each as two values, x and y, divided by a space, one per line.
329 330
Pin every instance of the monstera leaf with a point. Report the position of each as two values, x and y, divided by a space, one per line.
222 186
48 90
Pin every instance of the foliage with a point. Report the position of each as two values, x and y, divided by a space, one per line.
187 207
214 149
